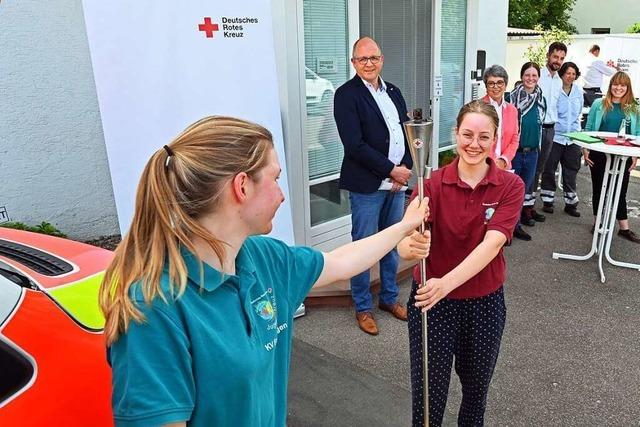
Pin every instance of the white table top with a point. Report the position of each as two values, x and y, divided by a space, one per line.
620 150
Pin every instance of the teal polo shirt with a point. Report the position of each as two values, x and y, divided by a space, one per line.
219 354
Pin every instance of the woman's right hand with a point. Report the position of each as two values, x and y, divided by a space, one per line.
417 212
587 160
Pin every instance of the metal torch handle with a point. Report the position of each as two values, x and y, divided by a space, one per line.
425 335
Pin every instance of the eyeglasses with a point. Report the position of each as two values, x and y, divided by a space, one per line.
467 139
362 60
498 84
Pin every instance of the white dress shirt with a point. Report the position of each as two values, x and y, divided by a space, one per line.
392 120
595 71
551 86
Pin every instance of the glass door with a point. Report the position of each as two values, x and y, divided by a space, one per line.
327 42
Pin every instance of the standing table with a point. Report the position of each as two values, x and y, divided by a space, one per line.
617 156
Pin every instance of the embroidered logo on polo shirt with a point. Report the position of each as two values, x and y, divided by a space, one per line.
488 214
265 310
264 306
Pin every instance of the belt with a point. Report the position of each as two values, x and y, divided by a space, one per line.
527 149
548 125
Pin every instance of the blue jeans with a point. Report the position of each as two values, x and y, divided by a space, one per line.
524 165
370 213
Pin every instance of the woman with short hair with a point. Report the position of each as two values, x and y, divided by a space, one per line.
563 151
502 152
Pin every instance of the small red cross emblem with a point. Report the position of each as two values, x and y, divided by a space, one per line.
208 27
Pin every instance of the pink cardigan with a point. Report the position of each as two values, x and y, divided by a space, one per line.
510 133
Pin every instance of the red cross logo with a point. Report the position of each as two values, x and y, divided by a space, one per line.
208 27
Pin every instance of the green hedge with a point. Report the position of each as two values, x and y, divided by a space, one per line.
42 228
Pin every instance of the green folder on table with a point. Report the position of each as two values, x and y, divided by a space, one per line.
584 137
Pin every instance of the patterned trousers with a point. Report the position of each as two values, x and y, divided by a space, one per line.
467 330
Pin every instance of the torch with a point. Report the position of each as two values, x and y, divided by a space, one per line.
418 132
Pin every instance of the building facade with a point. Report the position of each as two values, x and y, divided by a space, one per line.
51 143
611 17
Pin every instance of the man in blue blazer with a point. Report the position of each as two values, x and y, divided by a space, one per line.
376 168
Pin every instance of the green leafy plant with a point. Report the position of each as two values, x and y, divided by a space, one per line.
42 228
538 52
634 29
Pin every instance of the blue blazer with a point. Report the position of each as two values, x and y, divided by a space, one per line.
365 136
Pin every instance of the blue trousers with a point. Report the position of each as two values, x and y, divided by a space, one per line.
469 330
524 165
370 213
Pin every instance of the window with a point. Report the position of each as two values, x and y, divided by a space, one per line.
327 65
601 31
452 56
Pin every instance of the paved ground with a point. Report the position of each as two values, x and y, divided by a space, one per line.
570 353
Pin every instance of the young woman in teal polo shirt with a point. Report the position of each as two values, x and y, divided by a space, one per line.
606 114
199 308
474 207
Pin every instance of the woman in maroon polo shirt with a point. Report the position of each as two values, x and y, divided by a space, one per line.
474 208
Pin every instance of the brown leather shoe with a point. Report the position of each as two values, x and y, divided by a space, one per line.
367 323
629 235
398 311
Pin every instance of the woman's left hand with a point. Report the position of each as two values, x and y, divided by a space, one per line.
634 162
501 163
432 292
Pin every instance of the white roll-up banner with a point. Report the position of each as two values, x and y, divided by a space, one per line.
625 52
161 65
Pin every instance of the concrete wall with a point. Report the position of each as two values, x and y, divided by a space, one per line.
52 153
615 14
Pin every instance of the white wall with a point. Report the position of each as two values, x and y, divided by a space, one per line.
487 30
615 14
52 153
491 33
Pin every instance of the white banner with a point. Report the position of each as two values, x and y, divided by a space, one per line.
161 65
625 52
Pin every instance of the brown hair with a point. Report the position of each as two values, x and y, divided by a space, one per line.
479 107
557 46
528 65
179 184
627 102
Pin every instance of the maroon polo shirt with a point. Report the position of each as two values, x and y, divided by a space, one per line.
459 218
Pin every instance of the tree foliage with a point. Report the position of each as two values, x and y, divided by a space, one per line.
538 52
634 29
546 13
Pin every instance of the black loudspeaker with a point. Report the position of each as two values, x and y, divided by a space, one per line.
481 64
